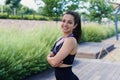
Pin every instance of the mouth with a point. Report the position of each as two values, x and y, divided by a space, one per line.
64 28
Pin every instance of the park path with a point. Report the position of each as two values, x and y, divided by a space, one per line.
114 55
87 69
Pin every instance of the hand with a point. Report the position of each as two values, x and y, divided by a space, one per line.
59 64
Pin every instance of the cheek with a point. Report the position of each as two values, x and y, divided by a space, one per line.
72 26
61 25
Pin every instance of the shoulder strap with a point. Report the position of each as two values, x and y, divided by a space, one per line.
59 39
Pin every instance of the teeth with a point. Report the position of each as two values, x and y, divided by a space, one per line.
64 28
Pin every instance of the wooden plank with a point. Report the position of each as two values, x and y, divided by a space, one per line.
93 50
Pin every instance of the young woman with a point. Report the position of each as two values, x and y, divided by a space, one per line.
64 50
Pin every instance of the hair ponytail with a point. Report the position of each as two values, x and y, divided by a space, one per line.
77 32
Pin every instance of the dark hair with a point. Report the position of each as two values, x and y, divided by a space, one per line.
77 32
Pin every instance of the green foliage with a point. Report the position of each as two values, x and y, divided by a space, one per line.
14 17
70 4
23 52
38 17
118 29
96 33
3 16
26 17
13 7
57 7
12 3
99 9
55 18
118 16
49 5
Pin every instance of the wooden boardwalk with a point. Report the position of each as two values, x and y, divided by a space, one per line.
87 69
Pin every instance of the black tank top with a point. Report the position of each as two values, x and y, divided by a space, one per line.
69 59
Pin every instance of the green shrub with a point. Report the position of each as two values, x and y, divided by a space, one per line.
3 16
96 33
37 17
55 18
23 53
14 17
28 17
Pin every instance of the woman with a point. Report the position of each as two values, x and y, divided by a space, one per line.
63 52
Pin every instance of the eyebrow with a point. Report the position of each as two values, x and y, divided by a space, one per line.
67 20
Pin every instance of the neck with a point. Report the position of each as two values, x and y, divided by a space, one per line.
66 35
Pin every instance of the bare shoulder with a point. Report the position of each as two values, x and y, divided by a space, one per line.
70 40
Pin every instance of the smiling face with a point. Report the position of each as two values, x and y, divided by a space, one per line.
67 24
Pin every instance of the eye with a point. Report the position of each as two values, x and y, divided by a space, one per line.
63 20
70 22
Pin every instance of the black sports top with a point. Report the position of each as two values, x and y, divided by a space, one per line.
69 59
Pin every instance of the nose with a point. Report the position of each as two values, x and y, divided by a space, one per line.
65 24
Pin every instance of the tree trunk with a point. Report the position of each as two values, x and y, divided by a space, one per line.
14 11
1 9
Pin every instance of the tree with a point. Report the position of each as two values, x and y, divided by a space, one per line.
99 9
49 6
57 7
70 4
12 4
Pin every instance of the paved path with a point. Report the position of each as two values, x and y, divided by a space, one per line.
113 41
114 55
87 69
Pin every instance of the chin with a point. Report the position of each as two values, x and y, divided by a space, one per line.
65 31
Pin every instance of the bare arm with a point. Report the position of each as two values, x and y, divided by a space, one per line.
51 54
68 46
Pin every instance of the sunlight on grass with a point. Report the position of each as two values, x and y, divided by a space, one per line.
24 52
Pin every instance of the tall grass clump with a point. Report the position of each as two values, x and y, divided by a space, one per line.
23 52
96 33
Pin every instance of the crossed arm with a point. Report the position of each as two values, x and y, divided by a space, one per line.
56 60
